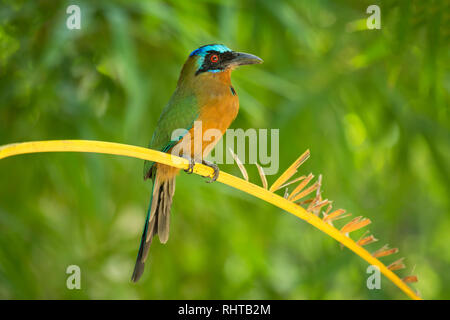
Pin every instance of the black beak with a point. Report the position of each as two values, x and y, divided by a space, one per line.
241 58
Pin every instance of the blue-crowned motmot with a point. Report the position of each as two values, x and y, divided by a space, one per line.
204 93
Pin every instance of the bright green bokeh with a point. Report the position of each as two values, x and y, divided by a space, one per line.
372 105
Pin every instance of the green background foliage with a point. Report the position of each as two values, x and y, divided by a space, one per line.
372 105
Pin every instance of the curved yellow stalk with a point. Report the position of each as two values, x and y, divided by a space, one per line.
237 183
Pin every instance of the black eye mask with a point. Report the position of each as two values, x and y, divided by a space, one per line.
220 65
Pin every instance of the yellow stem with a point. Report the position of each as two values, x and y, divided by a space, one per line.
237 183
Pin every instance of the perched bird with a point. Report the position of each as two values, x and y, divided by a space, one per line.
203 93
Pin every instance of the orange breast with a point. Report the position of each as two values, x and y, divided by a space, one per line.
218 114
215 118
219 106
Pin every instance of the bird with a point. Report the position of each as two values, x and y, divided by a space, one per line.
204 94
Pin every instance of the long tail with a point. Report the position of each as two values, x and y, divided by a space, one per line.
157 221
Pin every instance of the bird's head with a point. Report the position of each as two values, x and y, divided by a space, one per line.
215 58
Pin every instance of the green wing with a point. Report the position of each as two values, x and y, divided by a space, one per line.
179 113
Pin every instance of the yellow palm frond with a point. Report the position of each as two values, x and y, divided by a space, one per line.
287 203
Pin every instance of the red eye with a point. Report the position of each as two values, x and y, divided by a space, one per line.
214 58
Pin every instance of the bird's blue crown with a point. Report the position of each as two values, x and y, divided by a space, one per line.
202 51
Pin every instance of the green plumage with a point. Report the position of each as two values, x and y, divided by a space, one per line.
181 112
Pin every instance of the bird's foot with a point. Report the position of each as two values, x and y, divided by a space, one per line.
192 163
190 169
214 167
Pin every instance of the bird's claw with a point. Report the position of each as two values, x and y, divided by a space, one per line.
190 169
214 167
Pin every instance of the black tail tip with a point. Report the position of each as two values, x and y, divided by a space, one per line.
138 271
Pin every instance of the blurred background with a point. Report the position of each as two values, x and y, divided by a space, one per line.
371 105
